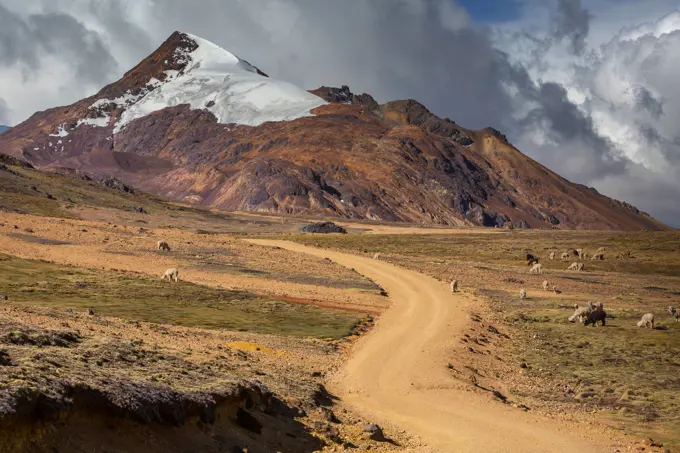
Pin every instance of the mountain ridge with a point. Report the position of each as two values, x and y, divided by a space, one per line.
339 154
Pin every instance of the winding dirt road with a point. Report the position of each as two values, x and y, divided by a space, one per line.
397 374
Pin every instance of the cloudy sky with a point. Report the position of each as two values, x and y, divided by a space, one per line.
586 87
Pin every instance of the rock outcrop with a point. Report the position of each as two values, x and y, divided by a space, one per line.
323 227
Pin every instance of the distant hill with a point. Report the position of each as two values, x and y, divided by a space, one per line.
3 129
195 123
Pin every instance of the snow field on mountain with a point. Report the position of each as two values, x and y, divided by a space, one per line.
230 88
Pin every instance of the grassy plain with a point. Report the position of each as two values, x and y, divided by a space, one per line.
141 298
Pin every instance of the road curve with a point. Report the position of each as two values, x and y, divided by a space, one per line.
397 374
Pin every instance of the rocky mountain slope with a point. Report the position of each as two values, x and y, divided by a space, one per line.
195 123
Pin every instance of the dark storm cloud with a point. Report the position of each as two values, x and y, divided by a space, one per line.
13 34
651 135
61 34
565 118
572 22
4 112
26 41
669 147
574 149
645 100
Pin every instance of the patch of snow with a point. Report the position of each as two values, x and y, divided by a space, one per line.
61 131
123 101
59 142
98 122
215 80
233 88
36 149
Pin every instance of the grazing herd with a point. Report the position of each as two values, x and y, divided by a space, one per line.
590 314
582 255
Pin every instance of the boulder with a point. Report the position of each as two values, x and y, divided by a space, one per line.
323 227
553 220
116 184
373 432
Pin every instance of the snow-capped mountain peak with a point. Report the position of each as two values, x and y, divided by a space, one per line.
206 76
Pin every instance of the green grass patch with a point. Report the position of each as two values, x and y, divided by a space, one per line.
141 298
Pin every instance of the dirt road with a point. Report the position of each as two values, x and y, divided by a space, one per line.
397 374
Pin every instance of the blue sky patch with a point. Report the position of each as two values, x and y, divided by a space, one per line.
492 10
